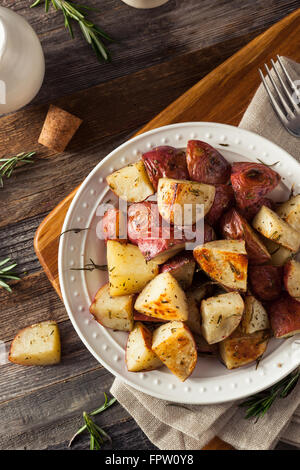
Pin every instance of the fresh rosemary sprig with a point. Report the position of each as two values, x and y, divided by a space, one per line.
257 405
91 267
73 230
7 165
74 12
97 435
6 273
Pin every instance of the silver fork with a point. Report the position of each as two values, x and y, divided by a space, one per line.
286 106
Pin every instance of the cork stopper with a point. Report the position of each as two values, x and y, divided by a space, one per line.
58 129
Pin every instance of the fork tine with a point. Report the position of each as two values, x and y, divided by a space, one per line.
276 108
287 76
286 90
280 95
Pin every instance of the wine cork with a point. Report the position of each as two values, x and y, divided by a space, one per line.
58 129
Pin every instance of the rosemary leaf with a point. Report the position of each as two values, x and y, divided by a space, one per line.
258 405
8 165
6 273
97 435
76 12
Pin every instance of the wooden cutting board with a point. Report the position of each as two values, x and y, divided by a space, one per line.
222 96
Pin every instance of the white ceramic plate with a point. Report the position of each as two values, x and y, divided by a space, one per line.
211 382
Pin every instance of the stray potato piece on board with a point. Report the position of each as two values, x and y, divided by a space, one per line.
36 345
175 346
139 355
58 129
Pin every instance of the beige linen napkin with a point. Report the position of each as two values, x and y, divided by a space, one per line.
192 427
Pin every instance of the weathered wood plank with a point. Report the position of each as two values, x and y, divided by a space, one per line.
52 414
143 38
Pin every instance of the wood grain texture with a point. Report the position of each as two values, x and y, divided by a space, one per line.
222 96
159 55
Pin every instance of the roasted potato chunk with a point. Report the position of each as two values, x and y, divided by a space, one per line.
291 278
139 355
223 201
271 226
113 225
163 298
36 345
255 317
235 227
284 315
265 281
173 195
113 312
206 164
175 346
131 183
240 349
128 270
143 219
182 267
290 212
225 261
221 315
165 162
279 254
251 182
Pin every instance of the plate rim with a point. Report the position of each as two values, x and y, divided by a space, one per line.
63 242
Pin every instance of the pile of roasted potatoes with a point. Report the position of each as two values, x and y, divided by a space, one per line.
228 296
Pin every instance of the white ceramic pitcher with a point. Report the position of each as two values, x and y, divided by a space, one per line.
22 64
145 3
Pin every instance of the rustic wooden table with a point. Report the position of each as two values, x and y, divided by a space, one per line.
162 51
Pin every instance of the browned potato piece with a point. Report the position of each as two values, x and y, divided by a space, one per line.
240 349
139 355
279 254
128 270
225 261
113 312
271 226
131 183
175 346
36 345
163 298
291 278
221 315
255 317
290 212
173 196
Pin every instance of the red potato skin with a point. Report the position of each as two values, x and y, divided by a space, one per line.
265 282
235 227
141 216
140 317
284 315
205 164
111 224
250 211
251 182
177 262
224 200
165 162
288 270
